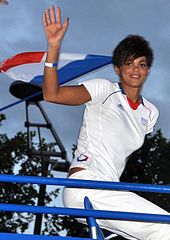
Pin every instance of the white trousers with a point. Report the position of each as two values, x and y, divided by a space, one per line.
117 201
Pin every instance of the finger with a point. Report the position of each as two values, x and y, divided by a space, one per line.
65 24
52 14
47 17
58 15
44 20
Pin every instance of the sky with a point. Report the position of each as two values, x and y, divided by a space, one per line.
95 27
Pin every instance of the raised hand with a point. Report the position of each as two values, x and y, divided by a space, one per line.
53 27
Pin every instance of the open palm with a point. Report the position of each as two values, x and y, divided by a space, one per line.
53 27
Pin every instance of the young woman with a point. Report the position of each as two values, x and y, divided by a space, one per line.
115 122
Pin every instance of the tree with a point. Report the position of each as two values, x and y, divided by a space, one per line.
14 159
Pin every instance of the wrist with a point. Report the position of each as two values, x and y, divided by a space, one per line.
52 54
51 64
54 46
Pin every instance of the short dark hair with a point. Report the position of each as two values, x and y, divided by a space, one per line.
130 48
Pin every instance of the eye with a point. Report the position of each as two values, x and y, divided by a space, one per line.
143 65
128 63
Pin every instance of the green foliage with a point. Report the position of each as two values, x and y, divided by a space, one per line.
75 228
14 159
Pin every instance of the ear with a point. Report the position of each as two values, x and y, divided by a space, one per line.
117 71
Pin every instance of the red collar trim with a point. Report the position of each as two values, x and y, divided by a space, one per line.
133 105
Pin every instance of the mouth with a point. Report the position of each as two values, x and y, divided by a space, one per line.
135 76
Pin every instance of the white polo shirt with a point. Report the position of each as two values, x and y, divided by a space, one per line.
111 130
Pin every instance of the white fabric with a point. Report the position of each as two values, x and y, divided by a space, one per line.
111 129
110 132
117 201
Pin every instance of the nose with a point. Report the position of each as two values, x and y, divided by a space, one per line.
135 67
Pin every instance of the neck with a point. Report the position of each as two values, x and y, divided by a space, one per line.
132 93
134 97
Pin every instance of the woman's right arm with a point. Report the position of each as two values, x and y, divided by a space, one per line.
52 92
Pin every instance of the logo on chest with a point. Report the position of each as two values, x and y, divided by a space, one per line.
144 121
120 106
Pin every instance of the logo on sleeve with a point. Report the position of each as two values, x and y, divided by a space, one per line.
82 158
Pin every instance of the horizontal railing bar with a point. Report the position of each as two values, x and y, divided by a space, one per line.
90 184
43 125
75 212
15 236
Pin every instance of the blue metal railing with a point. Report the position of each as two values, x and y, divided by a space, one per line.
107 185
128 216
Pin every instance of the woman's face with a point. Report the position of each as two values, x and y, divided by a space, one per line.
133 73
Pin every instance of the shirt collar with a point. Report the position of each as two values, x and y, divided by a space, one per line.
123 92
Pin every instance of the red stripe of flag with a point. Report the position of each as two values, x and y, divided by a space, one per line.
21 58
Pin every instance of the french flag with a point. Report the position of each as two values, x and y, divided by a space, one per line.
27 68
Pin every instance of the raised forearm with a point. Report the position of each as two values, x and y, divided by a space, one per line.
50 85
52 92
54 32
